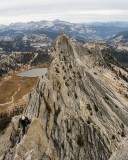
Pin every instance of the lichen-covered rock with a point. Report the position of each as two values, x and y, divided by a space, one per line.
122 152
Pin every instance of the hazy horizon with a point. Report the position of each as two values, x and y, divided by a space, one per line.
78 11
65 21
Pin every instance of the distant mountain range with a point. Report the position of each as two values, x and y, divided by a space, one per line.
35 36
81 31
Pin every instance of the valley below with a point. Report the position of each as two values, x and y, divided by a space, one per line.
13 88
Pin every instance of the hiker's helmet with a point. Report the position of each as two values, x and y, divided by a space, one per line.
23 117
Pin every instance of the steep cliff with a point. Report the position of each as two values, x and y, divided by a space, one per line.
78 110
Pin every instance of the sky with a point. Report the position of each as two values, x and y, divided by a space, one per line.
76 11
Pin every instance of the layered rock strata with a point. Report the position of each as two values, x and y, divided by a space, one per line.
76 111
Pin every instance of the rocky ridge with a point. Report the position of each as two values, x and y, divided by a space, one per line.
120 41
108 50
120 44
77 111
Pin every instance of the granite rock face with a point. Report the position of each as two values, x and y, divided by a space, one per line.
122 151
76 110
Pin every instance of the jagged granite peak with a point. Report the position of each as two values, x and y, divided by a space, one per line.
76 111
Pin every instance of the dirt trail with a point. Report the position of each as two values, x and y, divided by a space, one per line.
3 104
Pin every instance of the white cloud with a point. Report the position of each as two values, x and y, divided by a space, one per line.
70 10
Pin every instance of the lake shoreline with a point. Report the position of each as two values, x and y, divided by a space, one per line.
36 72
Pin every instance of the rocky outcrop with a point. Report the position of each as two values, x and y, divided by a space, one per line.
104 54
119 41
76 111
122 151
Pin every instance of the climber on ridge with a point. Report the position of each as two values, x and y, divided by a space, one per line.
24 121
